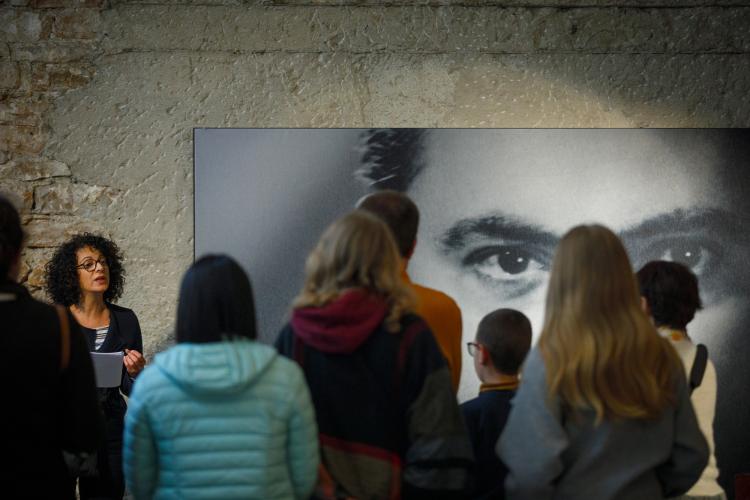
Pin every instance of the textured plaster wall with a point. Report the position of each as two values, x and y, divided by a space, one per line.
98 99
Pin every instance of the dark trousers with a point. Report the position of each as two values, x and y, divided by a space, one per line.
110 483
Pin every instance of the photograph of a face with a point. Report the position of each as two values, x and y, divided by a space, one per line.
493 205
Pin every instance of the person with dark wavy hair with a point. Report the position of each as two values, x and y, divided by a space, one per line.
63 275
671 294
52 393
86 275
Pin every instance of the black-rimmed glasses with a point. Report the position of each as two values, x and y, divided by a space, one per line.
90 264
472 347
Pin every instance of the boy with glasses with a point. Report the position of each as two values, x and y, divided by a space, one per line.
502 341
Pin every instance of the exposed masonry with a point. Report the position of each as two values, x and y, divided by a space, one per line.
47 51
98 99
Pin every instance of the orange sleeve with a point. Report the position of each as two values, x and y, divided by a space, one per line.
450 341
444 319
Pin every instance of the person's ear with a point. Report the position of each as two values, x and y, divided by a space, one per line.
484 357
644 306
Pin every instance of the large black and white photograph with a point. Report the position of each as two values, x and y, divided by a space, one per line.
493 206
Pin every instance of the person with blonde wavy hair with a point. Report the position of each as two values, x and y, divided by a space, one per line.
603 409
389 425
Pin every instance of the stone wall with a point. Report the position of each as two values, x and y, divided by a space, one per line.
98 99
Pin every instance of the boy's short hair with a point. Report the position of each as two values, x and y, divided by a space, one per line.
506 334
671 291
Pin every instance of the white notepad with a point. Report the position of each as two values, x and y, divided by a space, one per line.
107 368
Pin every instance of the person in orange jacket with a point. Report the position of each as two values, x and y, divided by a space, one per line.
439 310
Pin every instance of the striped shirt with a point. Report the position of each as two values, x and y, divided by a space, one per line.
101 334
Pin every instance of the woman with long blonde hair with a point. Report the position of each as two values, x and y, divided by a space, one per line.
603 409
389 425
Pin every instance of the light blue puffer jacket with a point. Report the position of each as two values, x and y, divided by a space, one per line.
220 420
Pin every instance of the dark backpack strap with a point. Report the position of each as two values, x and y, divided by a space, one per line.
298 350
699 366
64 337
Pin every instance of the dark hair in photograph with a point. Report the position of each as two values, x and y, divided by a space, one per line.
62 275
399 212
671 290
11 236
506 334
216 302
391 157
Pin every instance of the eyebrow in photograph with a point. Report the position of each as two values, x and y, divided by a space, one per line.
686 221
494 227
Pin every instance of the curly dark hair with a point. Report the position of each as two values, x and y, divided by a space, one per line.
671 291
62 276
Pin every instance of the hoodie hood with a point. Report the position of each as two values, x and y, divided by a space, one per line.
341 326
215 368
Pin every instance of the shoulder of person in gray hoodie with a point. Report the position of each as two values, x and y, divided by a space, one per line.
550 453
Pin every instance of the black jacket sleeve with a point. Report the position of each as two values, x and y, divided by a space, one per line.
285 342
130 333
83 425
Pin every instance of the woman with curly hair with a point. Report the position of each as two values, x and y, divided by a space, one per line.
86 275
389 425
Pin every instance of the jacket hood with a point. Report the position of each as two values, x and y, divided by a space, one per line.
217 367
341 326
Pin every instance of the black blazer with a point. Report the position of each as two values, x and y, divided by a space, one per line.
124 333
